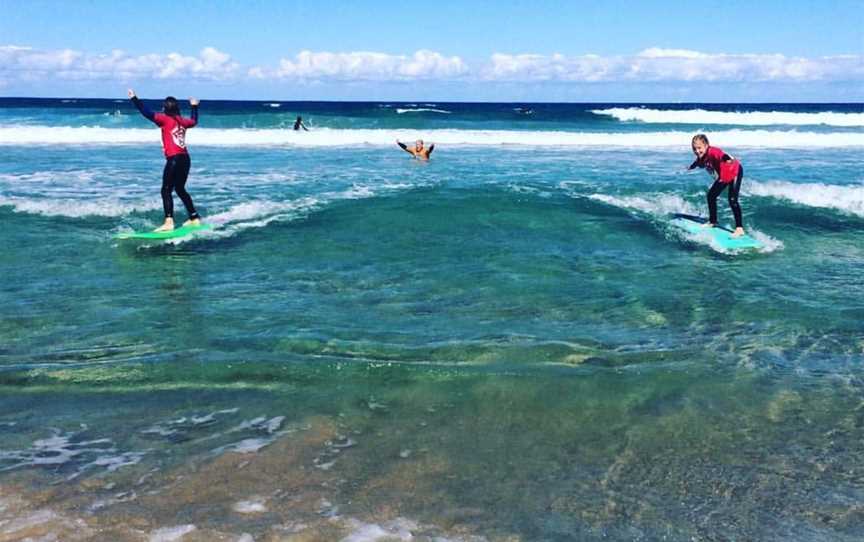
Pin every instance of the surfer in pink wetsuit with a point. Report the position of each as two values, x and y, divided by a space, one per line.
727 172
177 162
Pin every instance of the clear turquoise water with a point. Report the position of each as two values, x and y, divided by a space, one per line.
508 342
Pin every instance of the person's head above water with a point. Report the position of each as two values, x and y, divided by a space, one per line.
170 106
418 144
699 145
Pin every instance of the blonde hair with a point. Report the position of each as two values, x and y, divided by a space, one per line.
699 137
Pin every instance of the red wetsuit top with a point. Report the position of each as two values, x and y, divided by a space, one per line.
173 133
173 128
717 161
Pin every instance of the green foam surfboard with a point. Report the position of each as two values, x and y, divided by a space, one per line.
718 234
182 231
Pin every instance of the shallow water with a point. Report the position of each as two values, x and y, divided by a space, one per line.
507 343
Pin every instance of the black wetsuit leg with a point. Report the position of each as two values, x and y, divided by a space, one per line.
734 188
713 192
174 180
168 186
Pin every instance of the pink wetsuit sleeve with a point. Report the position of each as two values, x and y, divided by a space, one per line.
186 123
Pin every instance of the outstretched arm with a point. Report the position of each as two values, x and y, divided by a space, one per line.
304 127
141 107
695 164
404 147
431 148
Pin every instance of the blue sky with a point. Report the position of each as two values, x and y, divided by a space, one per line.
470 50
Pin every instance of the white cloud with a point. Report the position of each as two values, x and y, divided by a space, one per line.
655 64
656 52
365 66
28 64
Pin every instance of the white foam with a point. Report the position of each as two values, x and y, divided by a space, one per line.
422 109
397 529
170 534
657 205
326 137
77 208
255 210
60 449
246 446
769 244
259 214
114 462
848 199
126 496
28 521
184 423
55 450
745 118
17 522
255 505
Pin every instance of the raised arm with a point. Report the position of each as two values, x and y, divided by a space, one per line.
193 102
141 107
431 148
404 147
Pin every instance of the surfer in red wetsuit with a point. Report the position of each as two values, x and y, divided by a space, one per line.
727 172
177 160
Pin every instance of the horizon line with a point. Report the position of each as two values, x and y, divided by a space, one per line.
272 100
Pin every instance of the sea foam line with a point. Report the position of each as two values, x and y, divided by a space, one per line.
745 118
848 199
68 207
325 137
421 110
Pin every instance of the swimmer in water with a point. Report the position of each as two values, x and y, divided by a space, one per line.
419 151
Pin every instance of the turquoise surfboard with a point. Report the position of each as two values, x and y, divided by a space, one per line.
182 231
720 235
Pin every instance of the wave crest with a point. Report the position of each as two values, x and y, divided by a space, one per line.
847 199
422 110
745 118
325 137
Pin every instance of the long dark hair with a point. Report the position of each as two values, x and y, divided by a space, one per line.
171 107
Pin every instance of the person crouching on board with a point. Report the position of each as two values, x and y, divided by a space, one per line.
726 171
177 161
418 151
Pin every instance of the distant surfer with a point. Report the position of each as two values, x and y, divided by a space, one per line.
299 124
419 151
177 162
726 171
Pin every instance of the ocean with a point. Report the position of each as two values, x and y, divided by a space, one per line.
507 343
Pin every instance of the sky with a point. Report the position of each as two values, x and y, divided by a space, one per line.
541 51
